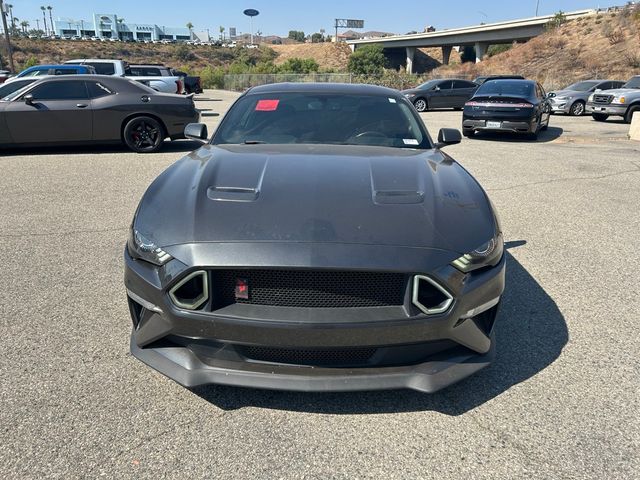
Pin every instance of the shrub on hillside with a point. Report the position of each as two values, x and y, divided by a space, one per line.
30 62
496 49
367 60
211 77
299 65
184 53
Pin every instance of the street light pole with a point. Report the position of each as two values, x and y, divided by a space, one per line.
537 5
7 36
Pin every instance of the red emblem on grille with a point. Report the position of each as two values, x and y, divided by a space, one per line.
242 289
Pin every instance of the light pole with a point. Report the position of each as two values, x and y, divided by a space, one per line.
537 5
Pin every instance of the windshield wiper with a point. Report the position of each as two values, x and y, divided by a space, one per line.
253 142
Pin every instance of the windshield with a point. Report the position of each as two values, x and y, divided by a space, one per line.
582 86
322 118
506 87
633 83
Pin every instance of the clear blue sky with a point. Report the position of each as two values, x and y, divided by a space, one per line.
277 17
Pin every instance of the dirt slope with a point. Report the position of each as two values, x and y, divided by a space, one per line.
328 55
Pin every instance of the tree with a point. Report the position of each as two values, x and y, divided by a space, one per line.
222 29
299 65
317 38
296 35
468 54
24 24
50 8
44 18
190 27
367 60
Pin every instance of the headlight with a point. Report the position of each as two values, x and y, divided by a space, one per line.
590 99
409 95
620 99
142 248
487 254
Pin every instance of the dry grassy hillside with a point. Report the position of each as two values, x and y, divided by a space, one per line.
606 45
328 55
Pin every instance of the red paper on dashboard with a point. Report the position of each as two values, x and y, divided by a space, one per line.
267 105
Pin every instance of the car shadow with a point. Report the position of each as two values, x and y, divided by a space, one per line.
530 333
548 135
168 147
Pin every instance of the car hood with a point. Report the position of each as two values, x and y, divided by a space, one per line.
321 194
411 90
573 93
618 91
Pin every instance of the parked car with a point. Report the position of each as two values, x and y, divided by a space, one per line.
300 249
622 102
483 78
4 75
441 93
40 70
93 108
519 106
165 84
573 99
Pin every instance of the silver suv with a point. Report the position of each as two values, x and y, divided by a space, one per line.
621 102
572 100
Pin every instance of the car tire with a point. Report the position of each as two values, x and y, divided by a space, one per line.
630 111
468 133
577 109
421 105
600 117
143 134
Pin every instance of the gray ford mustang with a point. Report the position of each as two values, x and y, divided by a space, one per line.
319 241
80 109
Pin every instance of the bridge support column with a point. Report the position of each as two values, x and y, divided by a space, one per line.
481 50
446 54
352 46
410 53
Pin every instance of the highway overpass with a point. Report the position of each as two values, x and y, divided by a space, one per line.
479 36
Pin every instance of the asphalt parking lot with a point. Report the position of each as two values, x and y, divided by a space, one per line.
561 401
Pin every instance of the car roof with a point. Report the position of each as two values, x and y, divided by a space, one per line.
347 88
510 80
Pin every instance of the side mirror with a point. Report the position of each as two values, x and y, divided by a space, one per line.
436 88
448 136
28 99
196 131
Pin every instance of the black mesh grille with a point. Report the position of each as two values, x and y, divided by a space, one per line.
311 357
310 289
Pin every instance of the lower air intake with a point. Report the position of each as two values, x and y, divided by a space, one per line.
310 357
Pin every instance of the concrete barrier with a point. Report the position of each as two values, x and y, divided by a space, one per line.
634 129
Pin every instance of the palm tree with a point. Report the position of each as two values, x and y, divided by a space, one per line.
190 27
9 7
221 33
50 8
24 24
44 17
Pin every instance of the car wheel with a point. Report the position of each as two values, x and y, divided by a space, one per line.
143 134
629 115
420 104
599 117
468 133
577 109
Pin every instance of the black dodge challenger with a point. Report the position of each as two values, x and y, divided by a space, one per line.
81 109
319 241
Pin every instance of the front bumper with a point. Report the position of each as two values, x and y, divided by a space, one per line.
563 106
419 352
606 109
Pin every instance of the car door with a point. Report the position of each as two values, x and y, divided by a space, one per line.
462 91
439 95
60 111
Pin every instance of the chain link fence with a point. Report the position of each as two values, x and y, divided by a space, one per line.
240 82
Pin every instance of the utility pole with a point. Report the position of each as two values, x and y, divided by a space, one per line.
537 5
7 36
